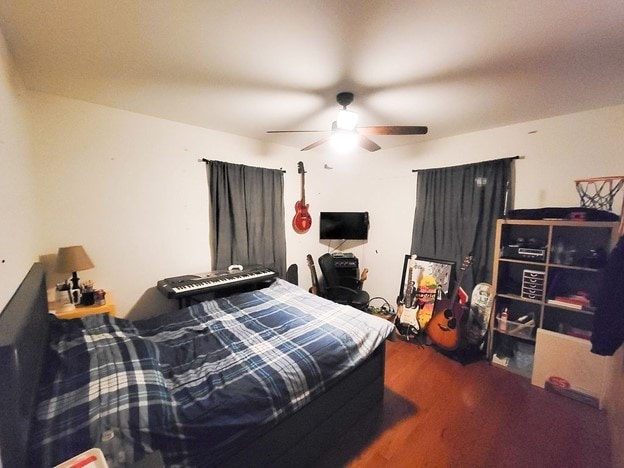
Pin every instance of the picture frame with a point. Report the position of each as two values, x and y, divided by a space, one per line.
421 279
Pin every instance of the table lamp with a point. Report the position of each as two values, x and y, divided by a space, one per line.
73 259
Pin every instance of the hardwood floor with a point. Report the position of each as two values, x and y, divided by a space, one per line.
438 413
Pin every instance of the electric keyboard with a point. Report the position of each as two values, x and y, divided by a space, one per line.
236 275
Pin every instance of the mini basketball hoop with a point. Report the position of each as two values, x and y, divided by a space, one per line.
599 192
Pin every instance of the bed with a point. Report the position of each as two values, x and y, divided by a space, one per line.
197 385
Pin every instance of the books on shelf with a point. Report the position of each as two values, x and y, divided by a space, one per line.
579 333
565 304
575 301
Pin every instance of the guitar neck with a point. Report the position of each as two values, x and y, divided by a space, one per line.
456 290
460 277
313 272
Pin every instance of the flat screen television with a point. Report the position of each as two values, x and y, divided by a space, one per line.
343 225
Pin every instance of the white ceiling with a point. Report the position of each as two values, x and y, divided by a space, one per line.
248 66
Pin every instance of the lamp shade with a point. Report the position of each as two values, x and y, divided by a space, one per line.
73 258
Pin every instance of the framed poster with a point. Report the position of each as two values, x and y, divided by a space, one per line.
421 279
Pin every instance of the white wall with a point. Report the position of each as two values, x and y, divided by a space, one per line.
18 231
562 149
129 188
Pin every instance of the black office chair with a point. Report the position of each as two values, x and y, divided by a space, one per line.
341 289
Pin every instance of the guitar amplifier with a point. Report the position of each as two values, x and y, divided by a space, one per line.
347 265
345 260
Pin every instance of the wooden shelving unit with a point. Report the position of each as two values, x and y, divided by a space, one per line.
561 258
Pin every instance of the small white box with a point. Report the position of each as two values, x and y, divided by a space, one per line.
92 458
575 370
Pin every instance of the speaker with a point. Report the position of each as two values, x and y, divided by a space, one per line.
346 265
347 272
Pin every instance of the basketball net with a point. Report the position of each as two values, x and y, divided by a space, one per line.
599 192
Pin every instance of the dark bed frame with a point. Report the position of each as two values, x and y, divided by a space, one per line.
297 441
23 337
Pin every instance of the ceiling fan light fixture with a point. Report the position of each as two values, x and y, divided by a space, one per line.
347 120
344 141
344 135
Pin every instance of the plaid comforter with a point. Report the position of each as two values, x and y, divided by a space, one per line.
196 382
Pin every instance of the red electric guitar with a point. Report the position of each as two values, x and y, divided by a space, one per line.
302 220
444 326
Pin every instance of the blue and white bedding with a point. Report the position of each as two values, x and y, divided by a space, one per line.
197 382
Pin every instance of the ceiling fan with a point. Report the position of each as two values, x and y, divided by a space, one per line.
345 127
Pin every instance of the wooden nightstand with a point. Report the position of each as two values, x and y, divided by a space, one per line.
82 311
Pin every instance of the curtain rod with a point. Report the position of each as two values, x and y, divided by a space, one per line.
204 160
500 159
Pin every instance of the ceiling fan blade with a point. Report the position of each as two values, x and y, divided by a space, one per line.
393 130
367 143
296 131
315 144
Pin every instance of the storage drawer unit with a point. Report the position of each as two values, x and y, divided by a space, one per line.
532 284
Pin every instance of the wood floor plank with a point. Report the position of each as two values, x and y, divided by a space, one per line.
439 413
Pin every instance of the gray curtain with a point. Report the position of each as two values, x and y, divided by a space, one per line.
456 212
247 216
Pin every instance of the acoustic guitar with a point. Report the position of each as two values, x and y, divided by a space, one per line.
444 327
302 220
315 283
